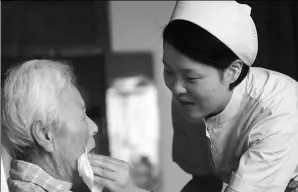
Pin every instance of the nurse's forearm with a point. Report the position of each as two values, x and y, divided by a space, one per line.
229 189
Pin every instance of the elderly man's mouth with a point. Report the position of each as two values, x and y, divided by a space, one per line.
92 151
90 145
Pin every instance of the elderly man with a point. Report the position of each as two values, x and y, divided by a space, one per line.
48 133
44 121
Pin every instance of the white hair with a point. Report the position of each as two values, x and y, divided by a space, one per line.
30 95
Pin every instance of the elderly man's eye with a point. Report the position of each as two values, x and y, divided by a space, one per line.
168 71
84 118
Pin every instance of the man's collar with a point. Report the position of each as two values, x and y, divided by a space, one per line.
25 171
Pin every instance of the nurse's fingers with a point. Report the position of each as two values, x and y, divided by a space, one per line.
107 158
103 173
105 182
115 186
104 164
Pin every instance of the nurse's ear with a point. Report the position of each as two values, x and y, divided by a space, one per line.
232 73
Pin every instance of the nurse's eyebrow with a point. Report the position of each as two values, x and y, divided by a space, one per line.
187 71
191 72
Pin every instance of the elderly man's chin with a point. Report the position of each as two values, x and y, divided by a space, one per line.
78 183
69 165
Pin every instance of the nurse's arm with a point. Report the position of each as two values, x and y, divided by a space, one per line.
270 160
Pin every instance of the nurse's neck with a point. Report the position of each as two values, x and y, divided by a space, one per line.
221 107
212 115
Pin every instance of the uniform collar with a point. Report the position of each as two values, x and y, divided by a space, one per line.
232 109
28 172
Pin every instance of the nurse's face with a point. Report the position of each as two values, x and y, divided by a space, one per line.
198 88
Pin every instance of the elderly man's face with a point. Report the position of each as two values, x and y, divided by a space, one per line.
77 129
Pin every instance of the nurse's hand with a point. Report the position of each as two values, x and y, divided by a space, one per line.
112 173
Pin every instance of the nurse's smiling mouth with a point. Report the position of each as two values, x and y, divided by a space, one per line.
185 102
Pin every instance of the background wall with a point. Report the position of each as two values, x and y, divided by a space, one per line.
137 26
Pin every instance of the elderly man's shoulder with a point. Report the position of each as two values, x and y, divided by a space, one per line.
23 186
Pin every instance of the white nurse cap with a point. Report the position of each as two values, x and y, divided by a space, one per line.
228 21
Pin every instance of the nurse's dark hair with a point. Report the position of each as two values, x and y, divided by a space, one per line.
199 45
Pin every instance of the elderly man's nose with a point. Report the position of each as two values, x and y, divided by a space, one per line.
92 127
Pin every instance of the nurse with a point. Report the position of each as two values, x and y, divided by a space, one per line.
250 113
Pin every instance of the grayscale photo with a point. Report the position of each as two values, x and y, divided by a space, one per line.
149 96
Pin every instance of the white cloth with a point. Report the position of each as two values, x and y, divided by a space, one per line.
86 172
228 21
4 187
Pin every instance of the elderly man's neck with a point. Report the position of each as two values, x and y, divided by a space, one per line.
52 166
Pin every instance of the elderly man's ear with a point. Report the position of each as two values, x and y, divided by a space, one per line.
43 136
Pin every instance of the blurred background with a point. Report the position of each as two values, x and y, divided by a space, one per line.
115 48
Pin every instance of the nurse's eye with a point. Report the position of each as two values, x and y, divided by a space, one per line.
192 79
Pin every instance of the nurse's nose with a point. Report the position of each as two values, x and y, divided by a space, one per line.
179 88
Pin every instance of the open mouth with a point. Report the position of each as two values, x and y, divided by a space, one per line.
90 146
92 151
